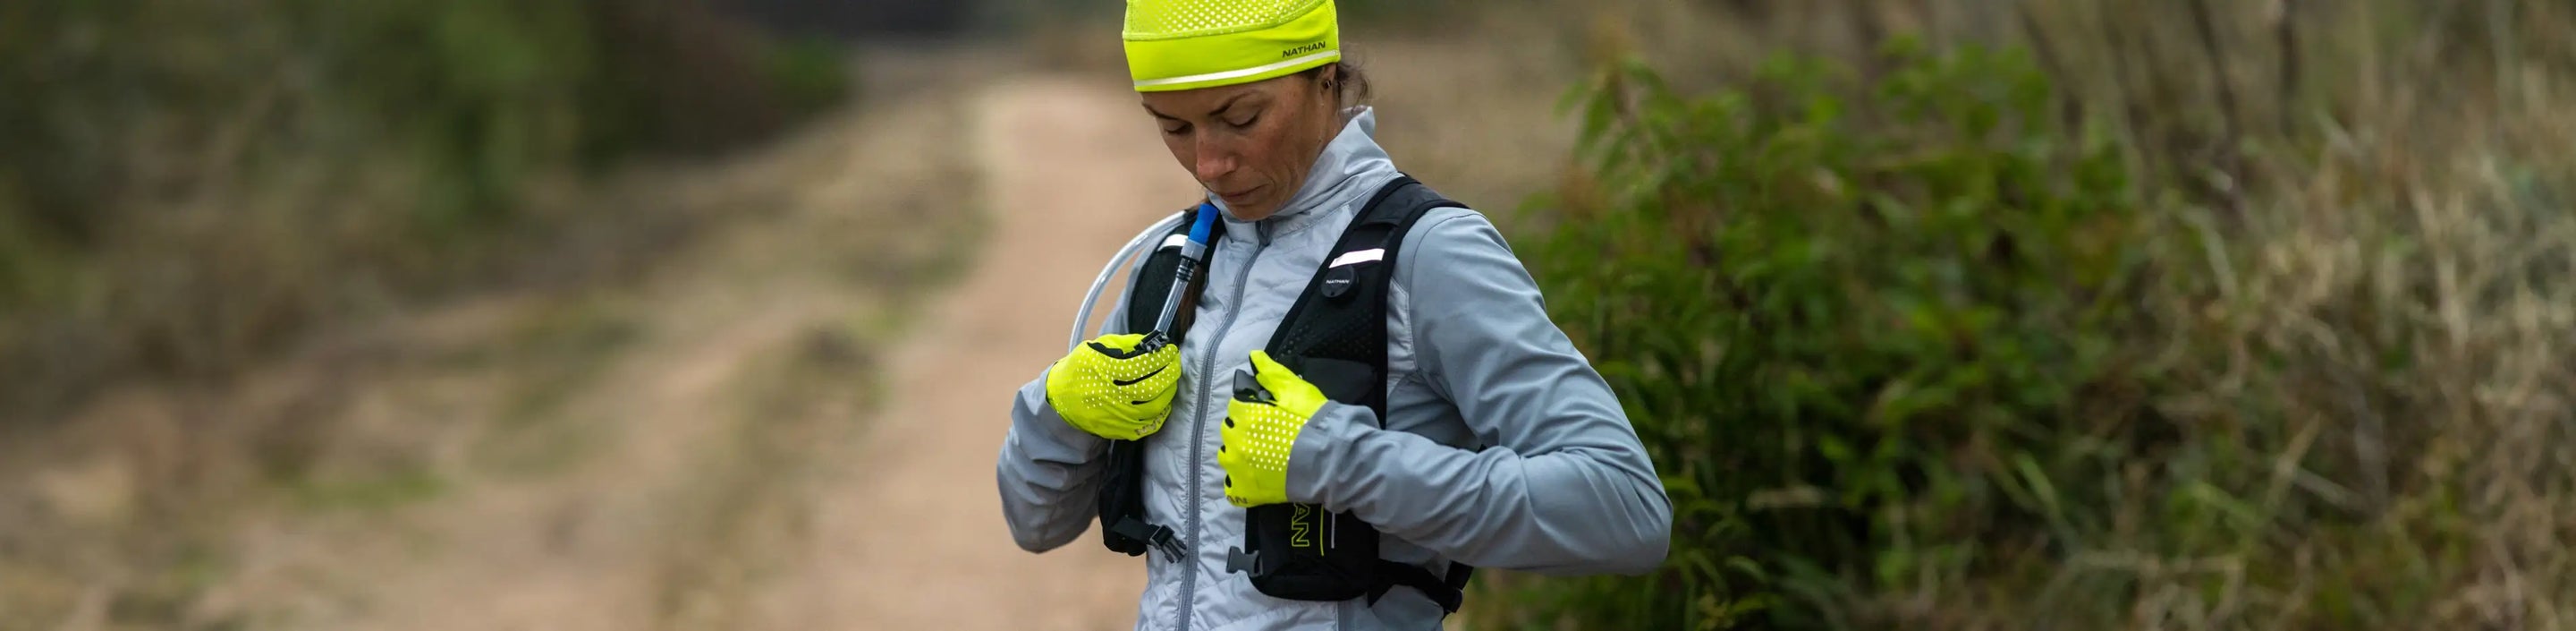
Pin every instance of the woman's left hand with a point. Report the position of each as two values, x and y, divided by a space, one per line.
1259 437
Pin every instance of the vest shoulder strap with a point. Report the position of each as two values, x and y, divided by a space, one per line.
1335 334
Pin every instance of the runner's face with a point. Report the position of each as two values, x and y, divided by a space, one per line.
1249 144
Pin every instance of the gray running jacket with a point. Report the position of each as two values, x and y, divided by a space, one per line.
1503 448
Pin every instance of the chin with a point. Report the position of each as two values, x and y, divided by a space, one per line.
1254 212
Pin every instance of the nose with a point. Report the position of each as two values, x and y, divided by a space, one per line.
1212 159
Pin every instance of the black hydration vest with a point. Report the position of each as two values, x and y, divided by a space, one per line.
1335 338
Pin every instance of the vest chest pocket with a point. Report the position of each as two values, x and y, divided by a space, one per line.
1342 380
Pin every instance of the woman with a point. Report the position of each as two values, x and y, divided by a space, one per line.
1500 445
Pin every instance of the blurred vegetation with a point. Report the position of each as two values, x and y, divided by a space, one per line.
190 183
2086 315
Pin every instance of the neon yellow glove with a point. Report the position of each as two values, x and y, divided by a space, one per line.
1258 435
1112 389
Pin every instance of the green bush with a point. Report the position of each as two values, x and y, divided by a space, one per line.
1876 334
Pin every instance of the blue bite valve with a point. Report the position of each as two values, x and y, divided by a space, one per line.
1205 226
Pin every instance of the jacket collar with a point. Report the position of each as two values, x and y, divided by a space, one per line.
1352 165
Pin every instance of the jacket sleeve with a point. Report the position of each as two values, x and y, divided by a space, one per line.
1049 470
1049 473
1563 485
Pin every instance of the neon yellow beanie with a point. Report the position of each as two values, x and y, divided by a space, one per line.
1190 44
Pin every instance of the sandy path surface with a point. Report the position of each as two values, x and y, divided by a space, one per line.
914 536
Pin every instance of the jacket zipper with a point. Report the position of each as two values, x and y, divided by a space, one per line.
1198 427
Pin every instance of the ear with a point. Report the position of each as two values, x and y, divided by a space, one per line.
1328 86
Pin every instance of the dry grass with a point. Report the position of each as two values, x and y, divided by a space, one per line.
2399 296
2409 281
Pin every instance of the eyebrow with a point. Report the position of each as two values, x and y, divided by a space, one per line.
1220 108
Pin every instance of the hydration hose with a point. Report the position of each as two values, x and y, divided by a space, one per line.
1193 252
1102 282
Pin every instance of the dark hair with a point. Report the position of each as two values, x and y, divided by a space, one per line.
1351 86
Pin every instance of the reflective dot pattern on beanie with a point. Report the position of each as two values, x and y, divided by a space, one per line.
1193 18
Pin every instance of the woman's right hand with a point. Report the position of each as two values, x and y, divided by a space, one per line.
1117 386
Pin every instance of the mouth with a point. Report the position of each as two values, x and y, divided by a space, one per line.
1237 197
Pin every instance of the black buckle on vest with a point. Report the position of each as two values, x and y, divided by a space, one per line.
1239 561
1160 537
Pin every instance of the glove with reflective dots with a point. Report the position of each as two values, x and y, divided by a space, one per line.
1260 432
1114 387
